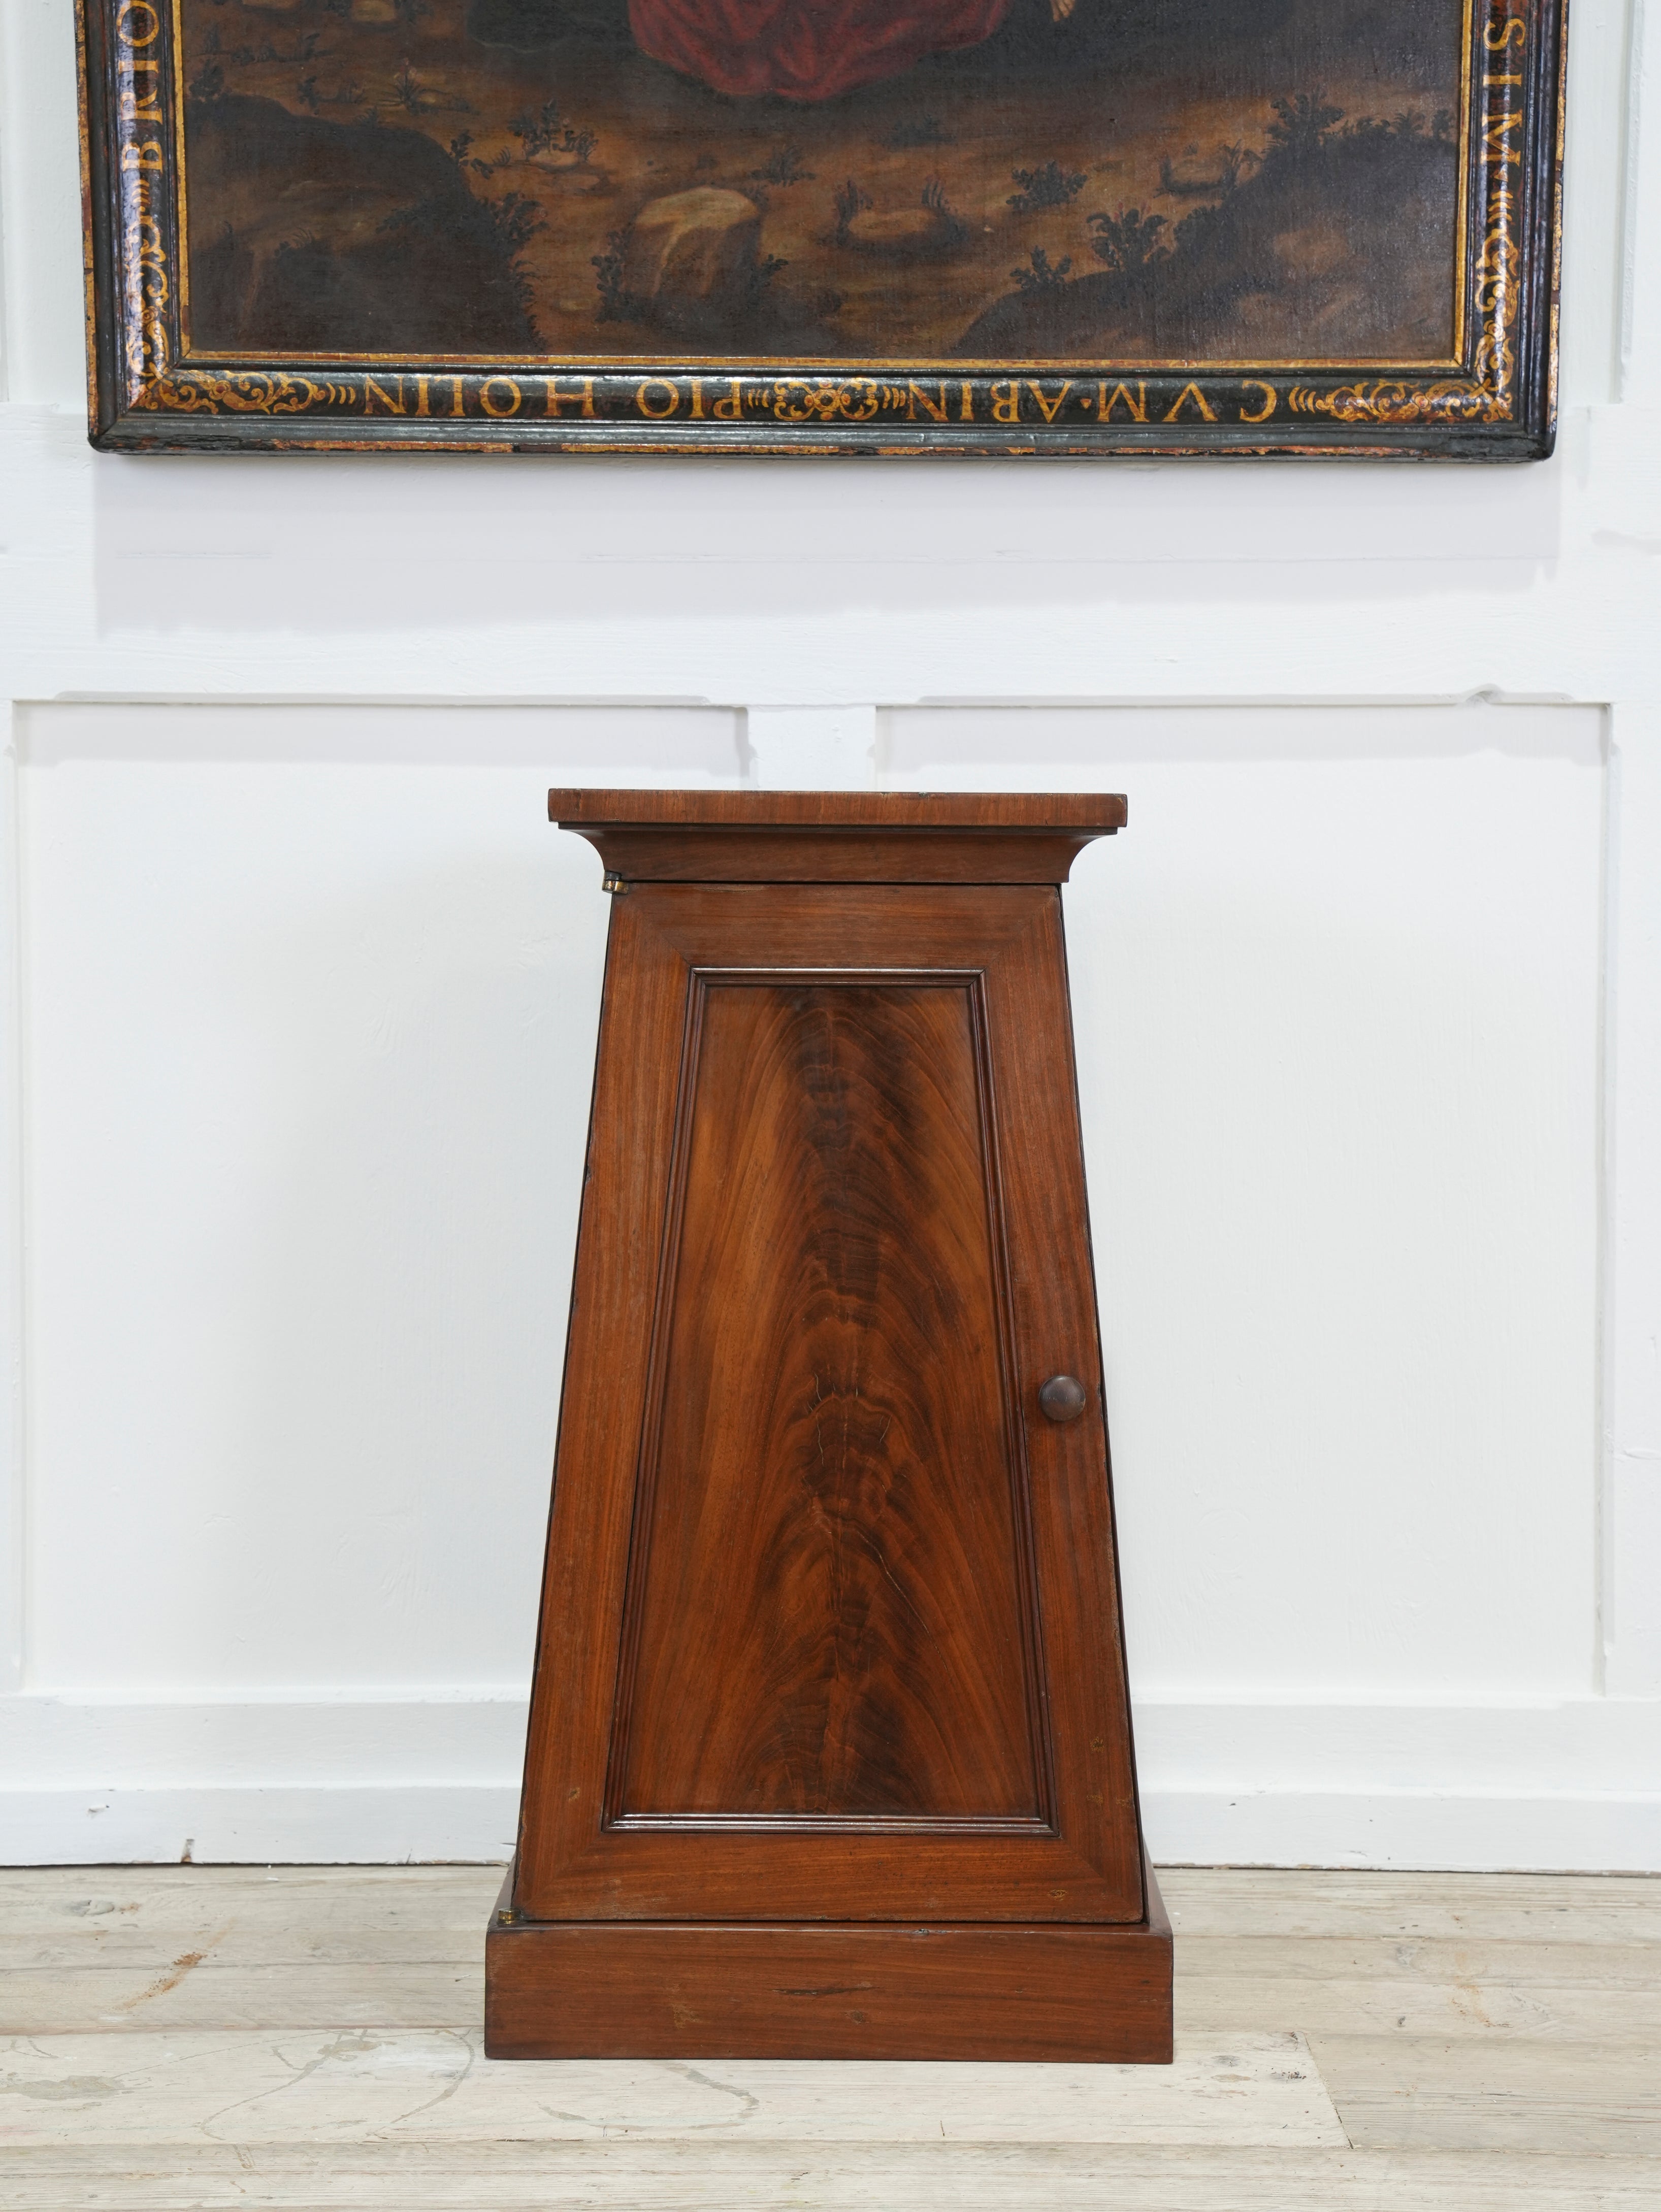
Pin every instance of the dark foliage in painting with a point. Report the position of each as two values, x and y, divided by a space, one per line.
1051 187
1372 186
423 263
1040 276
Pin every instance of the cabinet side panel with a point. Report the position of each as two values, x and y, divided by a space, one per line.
642 1028
829 1600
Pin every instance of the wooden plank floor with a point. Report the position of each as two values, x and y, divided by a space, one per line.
294 2037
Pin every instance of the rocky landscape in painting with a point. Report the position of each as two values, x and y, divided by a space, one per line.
1183 180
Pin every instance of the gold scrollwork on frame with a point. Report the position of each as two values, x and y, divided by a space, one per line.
193 392
831 399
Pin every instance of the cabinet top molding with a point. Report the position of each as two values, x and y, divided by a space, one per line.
837 836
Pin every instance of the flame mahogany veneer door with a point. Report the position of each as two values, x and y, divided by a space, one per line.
830 1749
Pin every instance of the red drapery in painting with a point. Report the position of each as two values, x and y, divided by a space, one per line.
805 49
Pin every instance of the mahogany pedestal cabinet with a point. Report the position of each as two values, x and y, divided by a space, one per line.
829 1751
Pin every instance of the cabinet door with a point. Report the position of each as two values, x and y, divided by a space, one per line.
830 1626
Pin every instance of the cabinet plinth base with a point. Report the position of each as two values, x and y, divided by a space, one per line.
828 1989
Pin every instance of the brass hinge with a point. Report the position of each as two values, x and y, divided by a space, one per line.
615 885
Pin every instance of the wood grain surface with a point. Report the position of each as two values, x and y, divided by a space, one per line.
832 1606
836 836
830 1990
1003 813
782 1610
830 1749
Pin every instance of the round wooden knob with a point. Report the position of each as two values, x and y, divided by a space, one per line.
1063 1398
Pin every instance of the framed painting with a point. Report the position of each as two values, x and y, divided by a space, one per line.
993 227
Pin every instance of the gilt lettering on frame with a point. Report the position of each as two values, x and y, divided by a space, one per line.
870 225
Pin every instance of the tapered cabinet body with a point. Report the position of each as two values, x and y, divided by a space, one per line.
829 1751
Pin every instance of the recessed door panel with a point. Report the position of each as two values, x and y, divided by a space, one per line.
830 1621
830 1612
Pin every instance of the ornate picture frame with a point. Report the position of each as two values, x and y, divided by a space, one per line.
286 249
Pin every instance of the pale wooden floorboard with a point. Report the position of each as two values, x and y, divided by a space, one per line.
297 1903
211 2037
1455 1995
1408 2092
1459 1998
222 1993
1226 1901
1479 2013
323 2085
696 2177
1273 1901
1568 1964
199 1948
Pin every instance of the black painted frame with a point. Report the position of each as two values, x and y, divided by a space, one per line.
146 396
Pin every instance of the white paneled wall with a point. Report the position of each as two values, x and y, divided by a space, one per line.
297 995
1338 1005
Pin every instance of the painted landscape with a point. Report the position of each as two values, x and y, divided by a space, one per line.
1195 181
